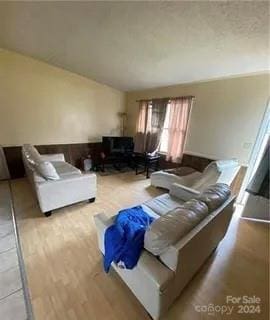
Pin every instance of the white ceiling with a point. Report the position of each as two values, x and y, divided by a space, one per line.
137 45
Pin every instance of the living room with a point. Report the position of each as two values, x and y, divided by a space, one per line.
154 109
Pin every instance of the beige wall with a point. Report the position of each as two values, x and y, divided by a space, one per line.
225 117
42 104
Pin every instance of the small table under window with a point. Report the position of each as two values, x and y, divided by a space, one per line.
147 162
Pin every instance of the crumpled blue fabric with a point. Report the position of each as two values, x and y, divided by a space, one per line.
124 240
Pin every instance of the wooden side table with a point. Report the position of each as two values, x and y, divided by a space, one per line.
146 161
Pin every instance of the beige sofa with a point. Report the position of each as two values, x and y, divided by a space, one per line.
55 182
157 280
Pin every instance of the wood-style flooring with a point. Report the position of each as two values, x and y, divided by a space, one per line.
64 267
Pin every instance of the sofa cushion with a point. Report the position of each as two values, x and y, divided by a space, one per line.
174 225
215 195
65 169
163 204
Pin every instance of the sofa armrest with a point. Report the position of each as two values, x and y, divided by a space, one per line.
53 157
182 192
102 222
154 270
148 265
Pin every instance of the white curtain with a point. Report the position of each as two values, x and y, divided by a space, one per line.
178 121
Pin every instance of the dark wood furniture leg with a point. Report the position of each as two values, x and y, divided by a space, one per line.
48 213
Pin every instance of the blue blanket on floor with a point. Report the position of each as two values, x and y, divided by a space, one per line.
124 240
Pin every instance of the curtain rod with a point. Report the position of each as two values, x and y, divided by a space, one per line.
168 98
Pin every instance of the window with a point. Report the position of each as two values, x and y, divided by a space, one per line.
165 132
162 126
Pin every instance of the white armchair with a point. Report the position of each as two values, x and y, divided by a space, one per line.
220 171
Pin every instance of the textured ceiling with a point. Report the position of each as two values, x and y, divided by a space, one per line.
136 45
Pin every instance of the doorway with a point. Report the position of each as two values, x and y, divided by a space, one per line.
256 207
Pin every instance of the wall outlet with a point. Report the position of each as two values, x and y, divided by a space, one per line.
247 145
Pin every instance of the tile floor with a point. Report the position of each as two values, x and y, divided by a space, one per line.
12 300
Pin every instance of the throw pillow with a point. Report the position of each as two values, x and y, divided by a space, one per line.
47 170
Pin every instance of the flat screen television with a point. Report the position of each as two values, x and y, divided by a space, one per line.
118 144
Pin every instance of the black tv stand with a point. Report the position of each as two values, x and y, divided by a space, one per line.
117 151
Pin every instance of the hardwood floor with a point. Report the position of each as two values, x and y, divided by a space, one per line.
64 266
